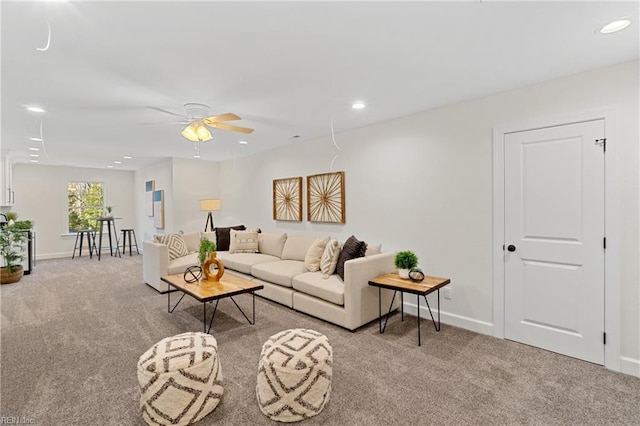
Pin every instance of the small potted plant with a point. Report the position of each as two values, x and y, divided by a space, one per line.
206 248
404 261
109 210
11 217
12 241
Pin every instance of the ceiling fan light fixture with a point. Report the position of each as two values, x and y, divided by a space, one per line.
203 133
190 133
197 132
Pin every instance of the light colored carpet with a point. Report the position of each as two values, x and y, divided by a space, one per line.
72 333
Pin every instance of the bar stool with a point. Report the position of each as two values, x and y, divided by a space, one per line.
132 236
91 244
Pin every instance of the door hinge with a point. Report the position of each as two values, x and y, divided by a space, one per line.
604 243
602 142
604 338
503 247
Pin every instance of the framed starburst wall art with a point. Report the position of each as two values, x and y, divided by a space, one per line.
325 198
287 199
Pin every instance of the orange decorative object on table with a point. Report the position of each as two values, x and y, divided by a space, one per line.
205 268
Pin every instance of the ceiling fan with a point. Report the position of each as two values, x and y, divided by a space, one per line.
199 118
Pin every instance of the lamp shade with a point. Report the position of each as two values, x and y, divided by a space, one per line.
209 205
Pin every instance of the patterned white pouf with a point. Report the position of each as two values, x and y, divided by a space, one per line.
294 375
180 379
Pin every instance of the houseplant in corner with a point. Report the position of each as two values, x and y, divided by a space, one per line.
207 256
404 261
12 241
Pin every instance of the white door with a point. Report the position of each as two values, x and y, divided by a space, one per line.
554 239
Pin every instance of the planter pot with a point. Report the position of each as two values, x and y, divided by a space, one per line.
7 277
404 273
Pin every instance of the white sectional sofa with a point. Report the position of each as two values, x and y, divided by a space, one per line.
279 265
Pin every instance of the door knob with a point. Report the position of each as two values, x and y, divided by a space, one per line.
511 247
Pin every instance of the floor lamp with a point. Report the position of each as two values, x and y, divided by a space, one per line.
209 205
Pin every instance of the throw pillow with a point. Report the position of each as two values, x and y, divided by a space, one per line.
243 241
373 249
329 258
352 249
223 236
175 243
314 254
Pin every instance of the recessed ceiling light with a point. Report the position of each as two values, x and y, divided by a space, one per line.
34 161
615 26
34 155
36 139
126 157
109 166
35 109
118 162
243 142
358 105
34 149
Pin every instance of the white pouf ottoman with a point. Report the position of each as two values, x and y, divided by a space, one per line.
294 375
180 379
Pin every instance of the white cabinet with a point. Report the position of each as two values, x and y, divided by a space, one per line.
8 196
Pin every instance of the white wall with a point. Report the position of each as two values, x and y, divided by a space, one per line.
41 196
184 183
423 183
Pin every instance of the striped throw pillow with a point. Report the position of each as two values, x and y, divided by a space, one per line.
329 258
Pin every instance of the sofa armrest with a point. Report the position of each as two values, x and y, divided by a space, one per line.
361 299
155 264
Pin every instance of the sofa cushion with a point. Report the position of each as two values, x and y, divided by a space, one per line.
281 272
329 258
313 284
242 262
178 265
373 249
192 241
223 236
352 248
314 254
296 246
243 241
271 243
175 243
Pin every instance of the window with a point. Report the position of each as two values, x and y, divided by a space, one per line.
86 202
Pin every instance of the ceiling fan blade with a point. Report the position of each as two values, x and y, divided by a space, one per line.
165 111
230 127
222 117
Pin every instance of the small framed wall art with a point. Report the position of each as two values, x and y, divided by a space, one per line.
149 187
325 198
158 207
287 199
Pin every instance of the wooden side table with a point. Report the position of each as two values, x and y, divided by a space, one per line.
394 282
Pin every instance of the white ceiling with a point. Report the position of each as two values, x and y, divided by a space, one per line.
287 68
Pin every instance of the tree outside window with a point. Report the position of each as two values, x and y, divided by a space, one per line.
86 202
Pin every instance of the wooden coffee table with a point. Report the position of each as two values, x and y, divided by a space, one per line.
394 282
207 291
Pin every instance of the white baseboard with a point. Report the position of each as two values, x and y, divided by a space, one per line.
630 366
467 323
45 256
